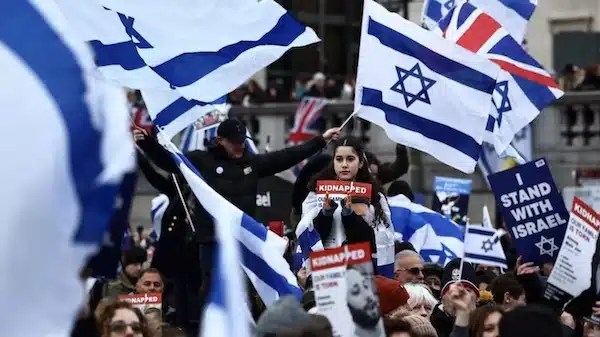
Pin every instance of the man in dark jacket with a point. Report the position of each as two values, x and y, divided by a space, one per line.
232 172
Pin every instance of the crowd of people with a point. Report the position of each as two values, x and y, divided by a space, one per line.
419 300
317 85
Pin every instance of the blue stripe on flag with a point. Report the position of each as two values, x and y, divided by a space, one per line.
524 8
478 231
538 94
440 64
154 210
507 46
428 128
178 108
124 54
254 227
64 82
485 258
465 12
187 68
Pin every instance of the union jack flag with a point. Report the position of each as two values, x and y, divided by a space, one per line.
523 89
306 124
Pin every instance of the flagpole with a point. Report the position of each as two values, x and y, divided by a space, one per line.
187 212
462 260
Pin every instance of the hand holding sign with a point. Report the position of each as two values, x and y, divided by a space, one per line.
526 268
359 208
337 191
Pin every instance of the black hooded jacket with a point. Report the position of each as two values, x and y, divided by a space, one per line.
235 179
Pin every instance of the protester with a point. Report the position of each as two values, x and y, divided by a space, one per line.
125 284
154 322
150 281
392 295
120 319
508 292
463 290
357 219
408 267
433 278
396 327
385 173
531 321
286 317
421 301
233 172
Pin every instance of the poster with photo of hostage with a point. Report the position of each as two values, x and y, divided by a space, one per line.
576 273
451 198
338 190
345 291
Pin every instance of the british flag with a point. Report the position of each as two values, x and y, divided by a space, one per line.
523 90
306 123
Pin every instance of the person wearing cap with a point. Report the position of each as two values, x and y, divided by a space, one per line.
231 171
457 285
125 283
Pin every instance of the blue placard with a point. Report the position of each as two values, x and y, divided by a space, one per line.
533 209
451 198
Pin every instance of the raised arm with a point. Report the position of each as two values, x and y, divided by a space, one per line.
389 172
154 151
272 163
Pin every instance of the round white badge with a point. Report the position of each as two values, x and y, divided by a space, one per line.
219 170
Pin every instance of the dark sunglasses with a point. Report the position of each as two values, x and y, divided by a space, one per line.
121 327
414 270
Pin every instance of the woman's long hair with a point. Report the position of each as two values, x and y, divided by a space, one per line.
478 317
363 176
108 310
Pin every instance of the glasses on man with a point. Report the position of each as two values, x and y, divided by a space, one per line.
413 270
121 327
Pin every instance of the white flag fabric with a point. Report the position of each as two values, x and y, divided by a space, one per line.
490 162
424 91
158 206
262 250
62 178
483 246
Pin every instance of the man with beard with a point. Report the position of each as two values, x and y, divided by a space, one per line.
362 301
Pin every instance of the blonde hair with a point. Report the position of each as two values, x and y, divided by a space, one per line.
419 293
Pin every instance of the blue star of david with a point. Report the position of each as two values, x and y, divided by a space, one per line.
504 104
445 254
410 98
487 245
449 4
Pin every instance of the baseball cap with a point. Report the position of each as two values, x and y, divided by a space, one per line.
232 130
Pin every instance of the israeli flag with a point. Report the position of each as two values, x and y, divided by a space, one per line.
172 47
435 237
407 76
261 250
61 182
483 246
158 207
435 10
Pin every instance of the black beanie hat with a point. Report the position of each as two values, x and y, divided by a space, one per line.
452 274
404 245
134 255
530 321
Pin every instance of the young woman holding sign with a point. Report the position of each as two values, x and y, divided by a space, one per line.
356 218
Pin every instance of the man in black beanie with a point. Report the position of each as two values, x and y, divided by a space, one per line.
443 315
131 262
